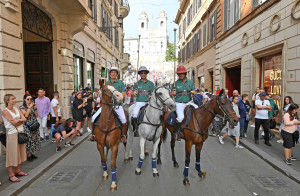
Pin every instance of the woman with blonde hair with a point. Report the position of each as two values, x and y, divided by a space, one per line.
15 152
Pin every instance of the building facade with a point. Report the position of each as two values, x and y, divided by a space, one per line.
58 45
152 48
257 45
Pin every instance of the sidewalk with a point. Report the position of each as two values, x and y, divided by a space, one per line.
47 157
273 155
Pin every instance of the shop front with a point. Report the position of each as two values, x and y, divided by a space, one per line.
78 57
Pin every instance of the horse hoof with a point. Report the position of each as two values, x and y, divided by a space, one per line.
176 164
186 182
126 160
146 153
114 188
202 174
138 173
104 177
155 174
159 162
130 158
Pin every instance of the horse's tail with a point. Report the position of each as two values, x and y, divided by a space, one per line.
165 132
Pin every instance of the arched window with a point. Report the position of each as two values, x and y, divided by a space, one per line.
142 25
161 24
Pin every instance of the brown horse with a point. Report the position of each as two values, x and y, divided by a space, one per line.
107 132
197 131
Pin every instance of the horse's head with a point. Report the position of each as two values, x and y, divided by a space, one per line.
162 98
110 94
224 108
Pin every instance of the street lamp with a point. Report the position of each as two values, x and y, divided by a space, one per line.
120 24
174 57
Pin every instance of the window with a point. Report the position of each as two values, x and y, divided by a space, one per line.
161 24
199 3
90 74
117 38
116 9
161 44
232 12
198 40
212 26
142 25
179 32
184 27
77 72
204 35
93 7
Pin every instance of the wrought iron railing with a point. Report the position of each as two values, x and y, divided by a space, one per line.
125 3
256 3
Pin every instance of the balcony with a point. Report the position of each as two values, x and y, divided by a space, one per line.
125 61
124 8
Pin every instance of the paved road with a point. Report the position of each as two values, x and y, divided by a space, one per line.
230 171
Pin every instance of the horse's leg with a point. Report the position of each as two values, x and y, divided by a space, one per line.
146 149
198 167
173 152
142 156
103 161
154 154
188 147
158 153
114 153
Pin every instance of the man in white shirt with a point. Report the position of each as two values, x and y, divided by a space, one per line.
263 106
55 110
254 98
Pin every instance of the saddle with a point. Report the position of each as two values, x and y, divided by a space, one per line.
116 117
187 117
140 116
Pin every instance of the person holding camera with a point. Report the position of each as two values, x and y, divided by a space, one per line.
78 106
65 129
29 110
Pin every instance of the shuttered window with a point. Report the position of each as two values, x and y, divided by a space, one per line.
204 35
212 32
232 12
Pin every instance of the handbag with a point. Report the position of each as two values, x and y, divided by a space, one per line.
33 126
23 138
248 117
272 124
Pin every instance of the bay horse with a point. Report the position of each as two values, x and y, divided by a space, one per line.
150 127
107 132
197 130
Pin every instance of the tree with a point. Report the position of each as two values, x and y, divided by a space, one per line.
170 53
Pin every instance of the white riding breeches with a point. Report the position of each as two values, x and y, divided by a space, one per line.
119 110
180 110
137 107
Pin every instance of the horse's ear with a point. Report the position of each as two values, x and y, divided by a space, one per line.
221 92
100 83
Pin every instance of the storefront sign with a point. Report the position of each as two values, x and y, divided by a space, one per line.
90 55
201 71
78 49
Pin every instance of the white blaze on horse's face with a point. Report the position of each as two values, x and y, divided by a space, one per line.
116 94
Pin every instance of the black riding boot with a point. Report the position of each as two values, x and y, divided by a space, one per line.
177 127
92 138
134 127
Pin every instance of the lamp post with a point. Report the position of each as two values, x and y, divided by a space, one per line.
174 56
138 60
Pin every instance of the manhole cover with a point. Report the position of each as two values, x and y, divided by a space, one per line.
63 177
270 181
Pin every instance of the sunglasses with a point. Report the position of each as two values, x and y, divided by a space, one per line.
29 99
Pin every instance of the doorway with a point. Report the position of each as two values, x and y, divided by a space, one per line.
233 79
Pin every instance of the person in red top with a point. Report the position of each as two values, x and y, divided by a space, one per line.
291 120
218 91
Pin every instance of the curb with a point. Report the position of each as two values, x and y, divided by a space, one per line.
273 162
16 188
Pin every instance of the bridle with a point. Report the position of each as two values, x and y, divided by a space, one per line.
112 103
158 97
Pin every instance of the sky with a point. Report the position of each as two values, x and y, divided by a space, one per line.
152 8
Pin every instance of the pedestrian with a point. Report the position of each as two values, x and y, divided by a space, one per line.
56 114
142 90
272 114
235 92
254 98
128 95
182 89
197 99
43 108
119 86
89 107
287 102
2 130
289 132
29 110
15 152
66 129
96 102
226 93
245 112
263 106
218 90
72 98
78 107
233 131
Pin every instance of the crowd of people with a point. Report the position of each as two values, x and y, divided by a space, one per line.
32 116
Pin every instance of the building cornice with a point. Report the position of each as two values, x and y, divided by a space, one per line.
182 8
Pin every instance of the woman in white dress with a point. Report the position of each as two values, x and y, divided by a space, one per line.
15 152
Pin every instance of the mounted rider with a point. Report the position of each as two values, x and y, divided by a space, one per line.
119 86
142 89
182 90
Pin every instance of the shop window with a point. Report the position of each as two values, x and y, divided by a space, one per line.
77 72
90 75
272 77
